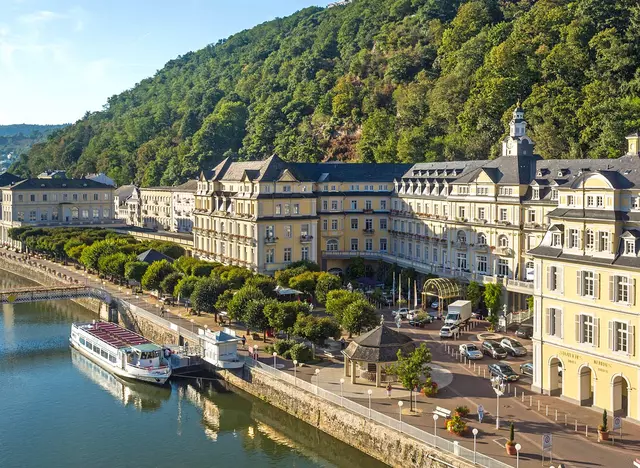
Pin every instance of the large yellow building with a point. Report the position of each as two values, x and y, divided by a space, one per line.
587 267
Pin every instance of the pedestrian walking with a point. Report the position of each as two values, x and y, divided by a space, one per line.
162 311
342 343
389 390
244 341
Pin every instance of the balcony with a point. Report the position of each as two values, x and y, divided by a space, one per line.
482 248
306 238
504 251
270 240
523 287
369 231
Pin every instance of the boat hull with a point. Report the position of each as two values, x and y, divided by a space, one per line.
156 380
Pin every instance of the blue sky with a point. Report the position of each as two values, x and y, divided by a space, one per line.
59 58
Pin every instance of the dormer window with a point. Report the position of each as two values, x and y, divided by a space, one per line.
535 194
635 203
571 200
556 239
539 174
554 194
286 188
629 246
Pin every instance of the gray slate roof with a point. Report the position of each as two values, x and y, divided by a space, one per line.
151 255
379 345
39 184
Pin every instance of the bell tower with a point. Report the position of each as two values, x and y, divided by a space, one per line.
517 143
633 142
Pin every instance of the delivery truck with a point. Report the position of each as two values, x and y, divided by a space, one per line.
458 313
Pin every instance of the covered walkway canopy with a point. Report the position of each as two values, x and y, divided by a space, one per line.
442 288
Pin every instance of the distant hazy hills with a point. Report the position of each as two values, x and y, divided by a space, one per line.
19 138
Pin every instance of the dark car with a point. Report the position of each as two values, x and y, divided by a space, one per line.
420 322
525 331
493 349
526 369
504 371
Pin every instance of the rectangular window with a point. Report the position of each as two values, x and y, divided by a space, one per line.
75 197
305 253
287 231
368 224
588 329
368 244
278 209
106 213
286 188
44 197
481 264
54 214
571 200
354 244
325 205
481 213
85 197
603 241
503 214
461 261
325 188
105 197
354 223
20 216
383 245
621 289
296 209
20 198
531 216
535 194
619 336
629 246
435 255
368 205
269 258
334 205
462 212
44 216
553 322
270 232
304 230
383 224
574 239
599 201
587 283
503 267
591 201
354 204
325 224
32 198
96 213
95 197
287 254
383 204
554 194
418 253
590 240
54 197
287 209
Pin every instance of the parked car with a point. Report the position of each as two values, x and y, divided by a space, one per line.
413 313
493 349
527 369
435 304
470 351
420 322
402 312
524 331
449 331
479 314
513 347
504 371
433 314
167 299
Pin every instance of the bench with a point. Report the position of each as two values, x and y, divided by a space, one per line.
442 412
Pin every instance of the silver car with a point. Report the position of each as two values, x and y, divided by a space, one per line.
513 347
470 351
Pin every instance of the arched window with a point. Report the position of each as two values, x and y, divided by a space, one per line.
462 237
503 241
332 245
74 213
482 239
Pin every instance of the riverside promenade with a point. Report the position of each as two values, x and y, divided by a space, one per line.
570 447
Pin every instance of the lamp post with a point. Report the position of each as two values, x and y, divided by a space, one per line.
435 428
475 434
295 372
518 448
369 392
400 403
341 392
275 355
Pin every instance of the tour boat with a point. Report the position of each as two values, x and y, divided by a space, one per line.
121 351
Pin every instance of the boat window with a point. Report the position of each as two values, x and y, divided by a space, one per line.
88 345
96 349
112 358
104 354
82 341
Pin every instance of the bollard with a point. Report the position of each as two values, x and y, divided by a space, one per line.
576 425
515 392
556 415
508 388
586 431
474 366
530 400
538 405
522 394
547 411
484 373
565 419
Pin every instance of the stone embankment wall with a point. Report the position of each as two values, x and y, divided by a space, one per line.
377 440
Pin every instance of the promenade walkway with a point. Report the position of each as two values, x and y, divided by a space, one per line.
467 387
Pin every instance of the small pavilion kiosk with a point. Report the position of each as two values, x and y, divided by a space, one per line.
368 355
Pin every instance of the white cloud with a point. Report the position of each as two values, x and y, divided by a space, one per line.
41 16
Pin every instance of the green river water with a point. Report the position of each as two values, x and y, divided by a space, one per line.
59 409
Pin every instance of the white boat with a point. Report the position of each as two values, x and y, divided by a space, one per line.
221 348
121 351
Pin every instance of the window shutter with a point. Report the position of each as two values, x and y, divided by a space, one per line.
596 285
577 329
547 318
596 332
581 240
610 340
632 291
579 283
613 247
612 288
549 280
561 323
560 279
631 340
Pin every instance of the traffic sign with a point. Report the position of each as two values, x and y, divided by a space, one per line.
547 442
480 412
617 423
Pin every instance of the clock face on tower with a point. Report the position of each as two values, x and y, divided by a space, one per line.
510 145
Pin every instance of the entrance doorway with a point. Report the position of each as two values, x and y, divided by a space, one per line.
555 376
586 386
620 395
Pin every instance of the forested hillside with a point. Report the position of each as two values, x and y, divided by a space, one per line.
19 138
376 80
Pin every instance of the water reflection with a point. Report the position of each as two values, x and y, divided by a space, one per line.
142 396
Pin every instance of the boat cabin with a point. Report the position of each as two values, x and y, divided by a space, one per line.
145 355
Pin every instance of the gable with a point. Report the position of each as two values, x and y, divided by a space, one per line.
483 178
287 176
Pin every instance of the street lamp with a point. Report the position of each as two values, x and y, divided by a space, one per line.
518 448
435 428
400 403
475 433
369 392
295 372
341 392
275 355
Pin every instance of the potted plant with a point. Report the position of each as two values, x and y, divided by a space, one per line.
511 445
456 425
603 430
462 411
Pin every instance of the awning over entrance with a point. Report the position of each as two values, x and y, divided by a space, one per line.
442 288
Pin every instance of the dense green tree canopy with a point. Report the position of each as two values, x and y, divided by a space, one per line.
375 80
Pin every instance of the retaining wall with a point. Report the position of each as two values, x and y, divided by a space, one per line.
376 440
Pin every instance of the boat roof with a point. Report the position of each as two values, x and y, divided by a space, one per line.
147 347
115 335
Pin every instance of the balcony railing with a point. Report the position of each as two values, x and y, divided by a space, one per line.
517 284
306 238
368 231
270 240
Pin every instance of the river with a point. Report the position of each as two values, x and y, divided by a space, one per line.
59 409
